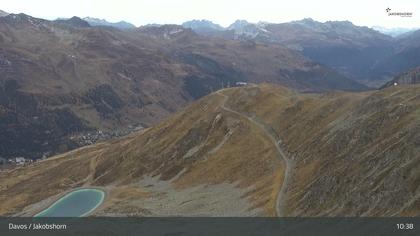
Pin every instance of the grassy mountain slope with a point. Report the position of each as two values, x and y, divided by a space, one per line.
346 154
202 146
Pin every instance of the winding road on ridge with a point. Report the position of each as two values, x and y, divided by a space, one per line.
281 196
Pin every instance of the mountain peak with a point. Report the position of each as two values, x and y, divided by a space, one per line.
308 19
3 13
341 23
102 22
20 19
74 22
239 22
239 25
309 22
202 25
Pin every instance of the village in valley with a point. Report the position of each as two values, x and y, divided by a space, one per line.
84 139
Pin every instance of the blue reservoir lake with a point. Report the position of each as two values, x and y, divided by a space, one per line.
78 203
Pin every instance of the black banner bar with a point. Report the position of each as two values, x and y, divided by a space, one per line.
177 226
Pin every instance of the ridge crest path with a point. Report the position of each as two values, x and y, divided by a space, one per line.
281 196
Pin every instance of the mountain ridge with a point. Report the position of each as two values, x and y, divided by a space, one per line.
74 22
3 13
202 26
394 32
102 22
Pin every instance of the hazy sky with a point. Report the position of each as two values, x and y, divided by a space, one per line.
224 12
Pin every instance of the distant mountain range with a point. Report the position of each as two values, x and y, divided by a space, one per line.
361 53
74 22
394 32
90 21
98 22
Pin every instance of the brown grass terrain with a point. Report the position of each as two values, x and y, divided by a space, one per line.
355 154
201 146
